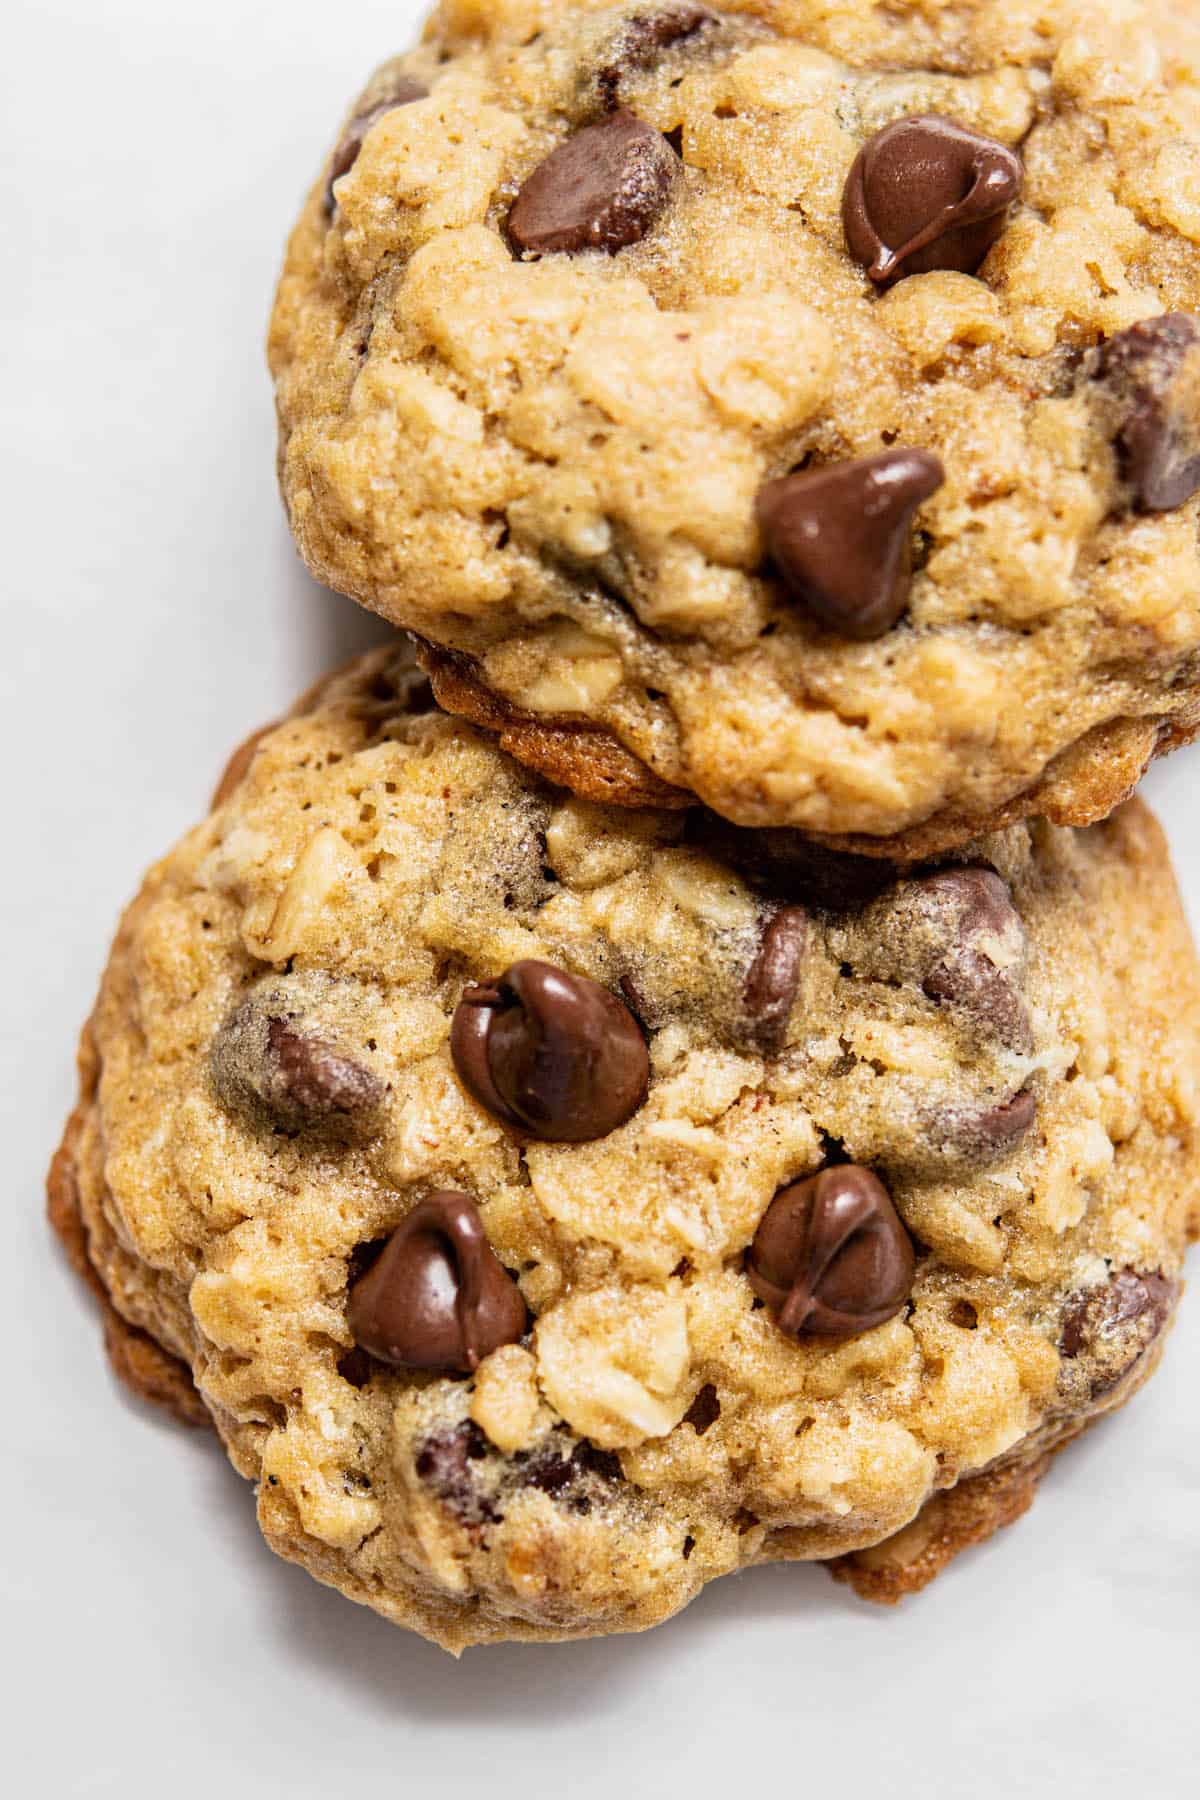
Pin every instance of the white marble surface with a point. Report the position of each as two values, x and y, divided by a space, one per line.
154 154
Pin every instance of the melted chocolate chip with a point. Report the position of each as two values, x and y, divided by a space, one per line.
925 193
774 978
271 1062
404 91
840 537
641 40
968 975
1110 1327
437 1297
550 1054
600 190
831 1255
1151 374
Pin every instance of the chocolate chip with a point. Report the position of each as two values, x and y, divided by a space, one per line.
1001 1125
704 1411
841 537
1128 1296
550 1054
269 1061
318 1080
600 190
985 1133
1109 1328
831 1255
404 90
1151 374
444 1464
640 42
437 1297
774 977
975 972
925 193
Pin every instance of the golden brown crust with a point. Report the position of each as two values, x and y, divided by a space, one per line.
147 1370
946 1525
588 759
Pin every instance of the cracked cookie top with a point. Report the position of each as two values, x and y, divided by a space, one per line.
559 1207
802 398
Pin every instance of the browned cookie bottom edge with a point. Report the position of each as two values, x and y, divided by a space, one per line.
138 1360
589 759
1081 786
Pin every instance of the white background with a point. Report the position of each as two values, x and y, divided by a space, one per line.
153 157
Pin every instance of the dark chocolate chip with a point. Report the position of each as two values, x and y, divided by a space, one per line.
270 1062
550 1054
966 976
774 978
444 1464
988 1132
437 1297
317 1079
704 1411
1109 1328
925 193
641 40
404 90
831 1254
841 537
600 190
1152 376
1128 1296
1002 1125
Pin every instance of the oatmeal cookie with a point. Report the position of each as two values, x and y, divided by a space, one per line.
558 1207
792 403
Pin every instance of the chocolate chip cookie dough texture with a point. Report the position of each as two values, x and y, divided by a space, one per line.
559 1207
795 405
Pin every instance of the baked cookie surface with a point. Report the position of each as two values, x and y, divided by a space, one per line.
559 1207
794 404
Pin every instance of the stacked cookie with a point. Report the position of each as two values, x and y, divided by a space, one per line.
697 1073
